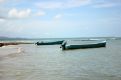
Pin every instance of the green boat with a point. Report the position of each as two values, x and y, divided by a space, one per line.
49 43
65 46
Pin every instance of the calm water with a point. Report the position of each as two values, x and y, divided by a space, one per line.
51 63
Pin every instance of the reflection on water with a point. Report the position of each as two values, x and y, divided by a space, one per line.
51 63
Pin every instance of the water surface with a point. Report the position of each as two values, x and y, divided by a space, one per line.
51 63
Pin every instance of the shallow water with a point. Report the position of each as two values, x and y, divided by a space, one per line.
51 63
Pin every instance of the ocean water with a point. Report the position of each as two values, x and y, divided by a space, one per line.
31 62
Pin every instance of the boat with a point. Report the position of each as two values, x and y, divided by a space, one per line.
65 46
49 43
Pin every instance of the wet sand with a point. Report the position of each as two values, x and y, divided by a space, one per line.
12 43
31 62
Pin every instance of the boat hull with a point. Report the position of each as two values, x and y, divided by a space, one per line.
95 45
49 43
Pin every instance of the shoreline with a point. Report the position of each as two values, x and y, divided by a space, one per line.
12 43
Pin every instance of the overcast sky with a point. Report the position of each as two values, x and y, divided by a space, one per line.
60 18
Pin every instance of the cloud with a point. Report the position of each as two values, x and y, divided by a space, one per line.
5 1
1 17
49 5
106 3
1 1
40 13
19 14
58 16
77 3
62 4
2 20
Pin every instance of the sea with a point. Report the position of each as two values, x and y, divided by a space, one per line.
50 62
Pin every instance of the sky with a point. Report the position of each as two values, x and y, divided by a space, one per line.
60 18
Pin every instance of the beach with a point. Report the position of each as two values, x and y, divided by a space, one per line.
50 62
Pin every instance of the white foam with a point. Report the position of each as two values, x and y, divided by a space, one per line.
5 50
19 50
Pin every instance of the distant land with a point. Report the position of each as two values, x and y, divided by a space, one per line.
11 38
18 38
